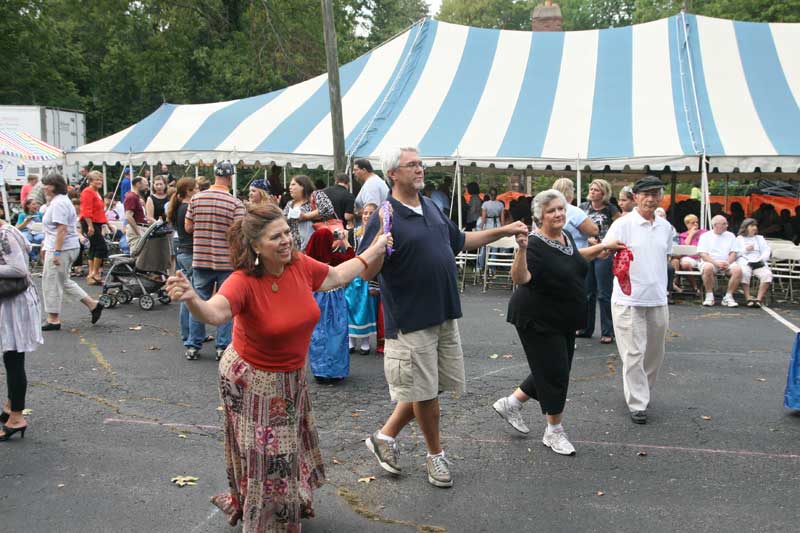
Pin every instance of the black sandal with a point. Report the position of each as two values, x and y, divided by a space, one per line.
757 304
751 303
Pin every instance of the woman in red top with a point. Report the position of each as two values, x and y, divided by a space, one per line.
93 219
271 442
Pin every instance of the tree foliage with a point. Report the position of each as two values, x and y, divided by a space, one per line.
502 14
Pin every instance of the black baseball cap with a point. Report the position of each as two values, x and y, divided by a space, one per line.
648 183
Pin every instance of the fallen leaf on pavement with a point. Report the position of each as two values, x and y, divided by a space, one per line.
600 493
135 328
354 414
182 481
220 408
60 485
508 356
181 436
27 411
705 417
336 461
494 356
642 454
762 380
153 348
366 479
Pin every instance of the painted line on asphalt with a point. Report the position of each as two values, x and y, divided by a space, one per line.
739 453
205 522
162 424
780 319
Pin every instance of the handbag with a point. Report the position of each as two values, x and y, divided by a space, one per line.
10 287
335 225
755 265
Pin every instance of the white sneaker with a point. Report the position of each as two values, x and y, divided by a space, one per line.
709 301
728 301
558 442
511 415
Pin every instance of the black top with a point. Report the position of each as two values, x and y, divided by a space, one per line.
602 217
184 239
159 206
419 283
554 300
341 199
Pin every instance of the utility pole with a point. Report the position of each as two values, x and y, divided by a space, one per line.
335 92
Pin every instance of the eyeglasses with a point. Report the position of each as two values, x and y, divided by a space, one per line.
412 165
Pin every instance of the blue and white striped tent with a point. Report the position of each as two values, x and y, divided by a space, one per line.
657 94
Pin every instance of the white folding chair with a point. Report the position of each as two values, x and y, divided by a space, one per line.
499 258
463 261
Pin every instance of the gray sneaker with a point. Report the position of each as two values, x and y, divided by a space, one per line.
386 452
511 415
558 442
439 471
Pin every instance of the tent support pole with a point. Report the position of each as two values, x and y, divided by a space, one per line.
235 190
196 172
151 176
460 203
727 177
673 196
578 179
105 180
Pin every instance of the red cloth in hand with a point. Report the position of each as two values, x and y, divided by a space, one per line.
320 247
621 269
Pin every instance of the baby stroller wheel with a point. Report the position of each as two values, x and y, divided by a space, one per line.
163 297
107 301
124 296
146 302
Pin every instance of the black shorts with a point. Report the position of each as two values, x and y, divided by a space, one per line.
98 249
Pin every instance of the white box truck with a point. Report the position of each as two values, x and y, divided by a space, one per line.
64 128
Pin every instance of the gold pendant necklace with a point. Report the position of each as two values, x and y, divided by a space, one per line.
274 287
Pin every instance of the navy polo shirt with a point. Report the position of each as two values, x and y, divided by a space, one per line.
419 281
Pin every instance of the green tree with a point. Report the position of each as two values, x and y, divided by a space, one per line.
501 14
388 18
594 14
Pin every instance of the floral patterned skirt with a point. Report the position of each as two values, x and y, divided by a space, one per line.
271 447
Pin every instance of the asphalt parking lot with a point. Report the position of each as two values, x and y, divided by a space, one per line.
116 412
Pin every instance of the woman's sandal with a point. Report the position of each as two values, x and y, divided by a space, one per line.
606 340
4 417
757 304
9 432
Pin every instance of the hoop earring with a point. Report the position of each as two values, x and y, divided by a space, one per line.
258 257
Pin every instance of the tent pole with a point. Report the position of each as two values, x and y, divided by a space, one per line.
6 211
578 178
673 196
284 177
196 172
727 176
105 180
235 190
151 176
458 188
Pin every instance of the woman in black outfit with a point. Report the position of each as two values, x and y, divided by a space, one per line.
548 306
155 207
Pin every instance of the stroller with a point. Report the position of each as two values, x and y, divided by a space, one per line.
143 273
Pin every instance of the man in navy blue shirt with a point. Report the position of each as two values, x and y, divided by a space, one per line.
421 303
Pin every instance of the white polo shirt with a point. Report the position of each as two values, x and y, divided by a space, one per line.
650 243
373 191
718 247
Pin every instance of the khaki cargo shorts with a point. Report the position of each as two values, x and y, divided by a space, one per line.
421 364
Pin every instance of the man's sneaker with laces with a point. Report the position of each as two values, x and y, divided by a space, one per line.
558 442
511 415
439 470
386 452
192 355
709 301
220 353
728 301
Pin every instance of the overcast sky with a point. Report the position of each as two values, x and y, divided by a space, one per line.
435 5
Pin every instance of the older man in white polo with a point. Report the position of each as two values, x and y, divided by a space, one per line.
641 317
718 249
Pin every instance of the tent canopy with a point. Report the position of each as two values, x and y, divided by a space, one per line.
650 95
25 147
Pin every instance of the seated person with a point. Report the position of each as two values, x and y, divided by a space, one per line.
753 256
718 250
690 237
30 213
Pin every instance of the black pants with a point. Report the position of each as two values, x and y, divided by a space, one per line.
550 359
16 378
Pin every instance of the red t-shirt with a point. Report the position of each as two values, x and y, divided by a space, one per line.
272 330
92 206
133 202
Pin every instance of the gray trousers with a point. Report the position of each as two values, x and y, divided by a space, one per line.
56 281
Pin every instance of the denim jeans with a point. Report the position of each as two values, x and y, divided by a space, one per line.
203 280
184 263
599 284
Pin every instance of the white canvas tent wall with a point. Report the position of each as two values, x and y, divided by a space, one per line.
667 94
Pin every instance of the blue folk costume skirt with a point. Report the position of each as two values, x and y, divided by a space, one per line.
361 309
329 351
